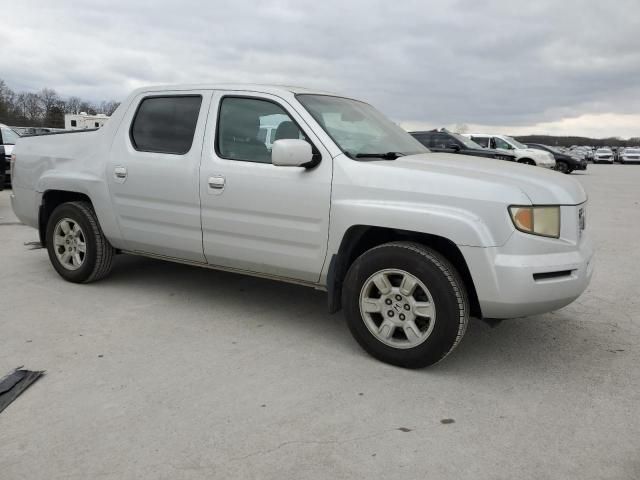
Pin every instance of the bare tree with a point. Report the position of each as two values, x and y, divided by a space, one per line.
108 107
49 99
72 105
33 109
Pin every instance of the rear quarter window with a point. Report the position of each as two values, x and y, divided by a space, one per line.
165 124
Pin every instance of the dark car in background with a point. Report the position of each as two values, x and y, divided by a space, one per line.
564 163
445 141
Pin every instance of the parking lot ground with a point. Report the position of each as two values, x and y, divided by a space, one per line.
164 371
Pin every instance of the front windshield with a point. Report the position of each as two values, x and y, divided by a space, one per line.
358 128
467 142
9 137
514 142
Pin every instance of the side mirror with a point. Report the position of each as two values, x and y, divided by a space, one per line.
291 153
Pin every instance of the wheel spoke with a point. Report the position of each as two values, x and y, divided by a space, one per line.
423 309
65 258
382 283
386 329
82 247
58 240
371 305
408 285
76 259
64 225
412 331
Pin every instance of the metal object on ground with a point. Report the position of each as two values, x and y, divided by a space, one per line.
13 384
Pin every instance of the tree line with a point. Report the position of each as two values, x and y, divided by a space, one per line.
45 108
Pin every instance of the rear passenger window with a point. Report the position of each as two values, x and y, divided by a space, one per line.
482 141
425 139
166 124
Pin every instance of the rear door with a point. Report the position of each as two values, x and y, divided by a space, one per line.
256 216
153 173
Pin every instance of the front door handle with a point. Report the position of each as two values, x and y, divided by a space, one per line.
216 182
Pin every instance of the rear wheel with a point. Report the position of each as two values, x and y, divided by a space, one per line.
78 250
405 304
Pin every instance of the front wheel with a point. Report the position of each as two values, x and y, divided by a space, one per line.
77 248
405 304
563 167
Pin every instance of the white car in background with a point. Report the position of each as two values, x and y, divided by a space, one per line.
8 139
631 154
604 155
523 154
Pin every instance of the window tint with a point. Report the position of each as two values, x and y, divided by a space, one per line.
425 139
499 143
243 127
166 124
442 140
482 141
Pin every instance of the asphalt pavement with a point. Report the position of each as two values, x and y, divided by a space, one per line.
164 371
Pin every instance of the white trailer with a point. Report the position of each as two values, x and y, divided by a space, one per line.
83 120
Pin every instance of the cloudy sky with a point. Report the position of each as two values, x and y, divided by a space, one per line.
507 66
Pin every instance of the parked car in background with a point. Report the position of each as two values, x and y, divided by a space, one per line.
448 142
581 153
564 163
603 155
630 155
8 139
346 202
507 144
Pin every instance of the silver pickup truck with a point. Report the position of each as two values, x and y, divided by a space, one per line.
409 243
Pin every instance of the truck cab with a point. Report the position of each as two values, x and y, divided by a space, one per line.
408 243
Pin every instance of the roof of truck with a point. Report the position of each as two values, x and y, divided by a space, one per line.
274 89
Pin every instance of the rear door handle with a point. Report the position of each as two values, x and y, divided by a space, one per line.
216 183
120 173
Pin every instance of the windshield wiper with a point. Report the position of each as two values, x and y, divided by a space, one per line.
386 156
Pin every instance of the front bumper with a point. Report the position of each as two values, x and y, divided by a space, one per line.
513 284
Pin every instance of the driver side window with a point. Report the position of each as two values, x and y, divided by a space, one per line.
499 143
247 128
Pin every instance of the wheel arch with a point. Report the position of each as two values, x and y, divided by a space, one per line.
360 238
52 199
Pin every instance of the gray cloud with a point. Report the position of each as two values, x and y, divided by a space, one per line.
496 62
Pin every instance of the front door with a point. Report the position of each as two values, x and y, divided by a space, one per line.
256 216
153 174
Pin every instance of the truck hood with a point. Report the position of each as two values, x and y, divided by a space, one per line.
542 186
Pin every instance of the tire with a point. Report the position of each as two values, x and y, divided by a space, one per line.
562 167
93 250
440 313
527 161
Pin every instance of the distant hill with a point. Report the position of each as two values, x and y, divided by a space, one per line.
569 141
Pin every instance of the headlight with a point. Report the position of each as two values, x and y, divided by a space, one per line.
544 221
